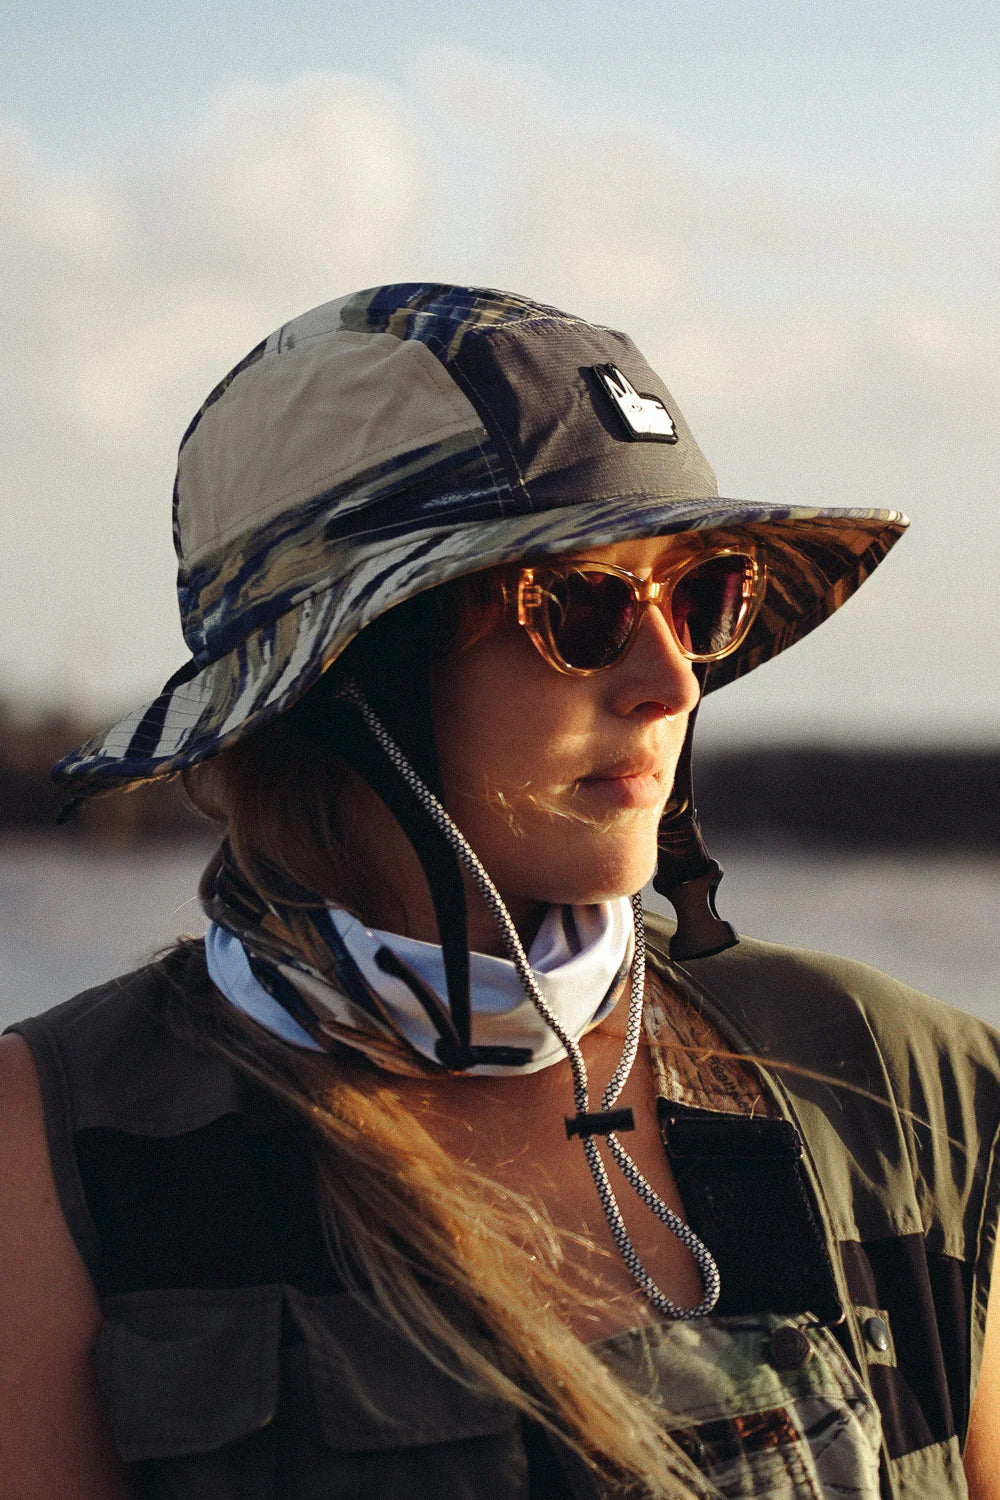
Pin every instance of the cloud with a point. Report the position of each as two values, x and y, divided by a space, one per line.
827 345
129 292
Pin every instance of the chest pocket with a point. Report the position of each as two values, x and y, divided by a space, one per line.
763 1406
263 1392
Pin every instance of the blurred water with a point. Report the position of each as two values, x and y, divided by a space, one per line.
71 916
931 921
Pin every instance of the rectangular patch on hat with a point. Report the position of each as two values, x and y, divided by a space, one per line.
643 416
537 388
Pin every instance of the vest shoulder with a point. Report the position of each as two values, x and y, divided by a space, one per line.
112 1054
771 988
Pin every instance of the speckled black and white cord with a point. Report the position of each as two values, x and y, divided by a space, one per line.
581 1091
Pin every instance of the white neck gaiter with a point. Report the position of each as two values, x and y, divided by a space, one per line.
580 958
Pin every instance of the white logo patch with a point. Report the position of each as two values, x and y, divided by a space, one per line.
644 416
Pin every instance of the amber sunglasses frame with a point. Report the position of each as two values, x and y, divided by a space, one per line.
534 618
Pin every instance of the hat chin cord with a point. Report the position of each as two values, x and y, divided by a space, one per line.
608 1120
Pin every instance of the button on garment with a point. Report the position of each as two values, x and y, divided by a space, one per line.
876 1332
790 1349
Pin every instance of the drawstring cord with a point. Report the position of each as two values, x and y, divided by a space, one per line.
586 1125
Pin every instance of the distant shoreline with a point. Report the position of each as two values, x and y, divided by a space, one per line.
855 798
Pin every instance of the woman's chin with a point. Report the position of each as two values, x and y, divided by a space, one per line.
604 881
559 861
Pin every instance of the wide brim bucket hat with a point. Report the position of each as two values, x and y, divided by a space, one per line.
397 438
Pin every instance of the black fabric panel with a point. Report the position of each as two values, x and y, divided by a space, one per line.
744 1194
218 1207
921 1398
244 1470
951 1288
533 386
547 1475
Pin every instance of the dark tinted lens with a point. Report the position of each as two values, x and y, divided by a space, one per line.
709 604
591 616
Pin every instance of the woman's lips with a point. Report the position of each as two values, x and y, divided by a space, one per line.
633 784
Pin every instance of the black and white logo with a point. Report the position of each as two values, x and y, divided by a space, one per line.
645 417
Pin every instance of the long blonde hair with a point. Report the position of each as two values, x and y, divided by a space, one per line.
465 1269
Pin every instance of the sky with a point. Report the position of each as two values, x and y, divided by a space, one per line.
792 208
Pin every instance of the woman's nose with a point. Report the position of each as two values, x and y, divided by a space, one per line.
655 675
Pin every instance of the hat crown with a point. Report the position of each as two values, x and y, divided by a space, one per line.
389 412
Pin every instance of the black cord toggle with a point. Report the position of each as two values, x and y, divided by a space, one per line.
459 1059
604 1122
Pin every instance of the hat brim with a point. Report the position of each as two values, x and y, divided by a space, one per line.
816 560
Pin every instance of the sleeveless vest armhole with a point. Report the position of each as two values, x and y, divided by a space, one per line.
986 1271
59 1130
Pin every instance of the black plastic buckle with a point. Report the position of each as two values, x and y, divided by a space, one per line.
603 1122
70 810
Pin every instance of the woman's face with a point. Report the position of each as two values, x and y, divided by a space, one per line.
558 782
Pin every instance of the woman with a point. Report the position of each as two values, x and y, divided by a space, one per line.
332 1197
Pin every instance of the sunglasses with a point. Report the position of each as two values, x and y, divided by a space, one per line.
583 616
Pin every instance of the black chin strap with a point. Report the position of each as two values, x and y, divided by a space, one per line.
341 730
685 872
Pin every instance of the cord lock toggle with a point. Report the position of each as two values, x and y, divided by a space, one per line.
604 1122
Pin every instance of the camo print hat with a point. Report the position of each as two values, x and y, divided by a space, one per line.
406 435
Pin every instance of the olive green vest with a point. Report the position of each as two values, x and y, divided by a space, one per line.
897 1099
863 1222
